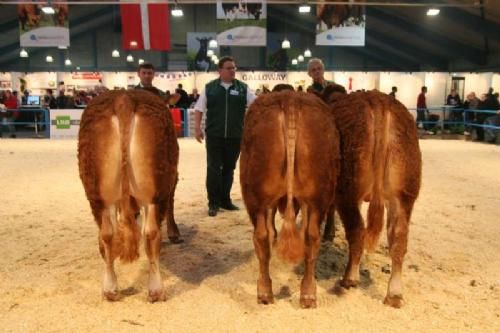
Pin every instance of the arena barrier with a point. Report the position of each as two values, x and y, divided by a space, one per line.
458 118
29 120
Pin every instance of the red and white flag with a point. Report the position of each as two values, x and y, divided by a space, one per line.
145 26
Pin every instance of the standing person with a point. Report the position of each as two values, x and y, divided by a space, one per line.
225 101
193 97
184 100
10 113
422 107
316 71
49 100
393 92
146 73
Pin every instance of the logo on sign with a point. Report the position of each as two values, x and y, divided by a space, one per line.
230 37
329 37
33 37
63 122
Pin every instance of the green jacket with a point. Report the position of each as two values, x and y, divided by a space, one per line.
225 109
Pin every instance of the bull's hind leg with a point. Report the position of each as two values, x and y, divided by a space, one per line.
107 246
262 244
312 240
398 218
329 233
172 231
355 233
152 244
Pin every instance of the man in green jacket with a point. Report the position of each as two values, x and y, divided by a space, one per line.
224 101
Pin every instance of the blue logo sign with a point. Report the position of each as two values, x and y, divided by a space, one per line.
33 37
230 37
329 37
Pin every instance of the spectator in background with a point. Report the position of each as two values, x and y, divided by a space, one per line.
193 98
62 100
146 73
454 100
422 108
492 104
393 92
184 99
10 113
24 99
49 101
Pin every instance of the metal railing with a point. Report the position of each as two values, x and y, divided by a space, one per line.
39 120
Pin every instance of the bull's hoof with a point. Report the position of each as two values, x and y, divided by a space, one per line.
265 299
156 296
308 301
111 296
396 301
175 240
348 283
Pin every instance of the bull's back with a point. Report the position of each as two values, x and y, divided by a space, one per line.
263 163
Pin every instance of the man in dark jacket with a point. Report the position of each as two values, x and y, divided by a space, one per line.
146 73
224 101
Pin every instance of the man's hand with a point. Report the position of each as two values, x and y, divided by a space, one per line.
199 134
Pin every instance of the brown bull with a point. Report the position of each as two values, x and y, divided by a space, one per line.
29 15
128 156
289 159
381 163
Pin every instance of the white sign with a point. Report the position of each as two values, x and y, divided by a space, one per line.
65 124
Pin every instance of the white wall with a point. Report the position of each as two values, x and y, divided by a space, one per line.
477 82
359 80
409 86
437 85
495 82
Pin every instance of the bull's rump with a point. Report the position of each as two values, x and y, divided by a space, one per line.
263 163
363 118
127 132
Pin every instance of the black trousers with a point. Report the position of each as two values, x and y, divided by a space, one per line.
222 154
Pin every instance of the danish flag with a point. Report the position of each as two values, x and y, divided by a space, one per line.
145 26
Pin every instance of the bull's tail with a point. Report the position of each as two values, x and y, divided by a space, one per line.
129 233
375 218
290 245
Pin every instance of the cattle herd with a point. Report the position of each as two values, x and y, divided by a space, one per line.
302 155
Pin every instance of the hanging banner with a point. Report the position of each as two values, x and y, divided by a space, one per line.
197 48
342 25
145 26
38 29
241 23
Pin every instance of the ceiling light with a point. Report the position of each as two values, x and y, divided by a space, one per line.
177 12
210 53
307 53
285 44
304 9
67 62
49 58
294 62
432 12
140 61
212 44
78 68
47 9
23 53
115 54
300 58
133 43
130 58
